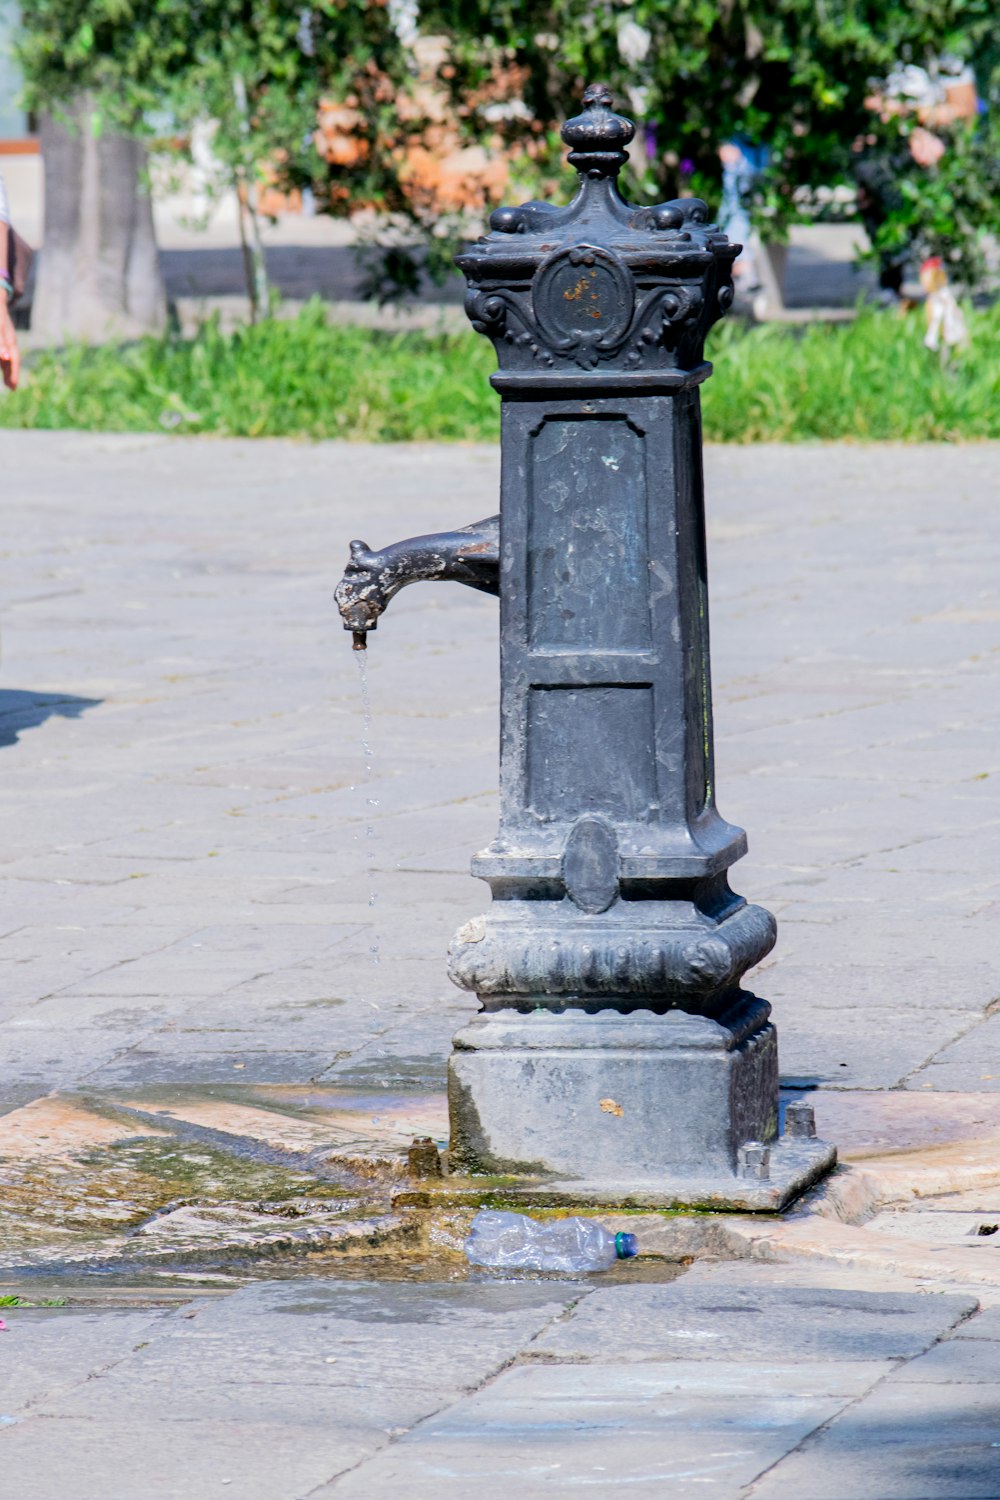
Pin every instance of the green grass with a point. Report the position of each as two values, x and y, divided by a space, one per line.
867 380
10 1300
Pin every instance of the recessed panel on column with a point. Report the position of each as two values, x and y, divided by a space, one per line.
590 749
588 555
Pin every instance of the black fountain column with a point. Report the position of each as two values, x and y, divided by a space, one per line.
618 1055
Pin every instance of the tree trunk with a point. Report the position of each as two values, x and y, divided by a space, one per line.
254 263
99 273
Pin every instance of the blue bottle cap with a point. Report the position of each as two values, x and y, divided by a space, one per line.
626 1245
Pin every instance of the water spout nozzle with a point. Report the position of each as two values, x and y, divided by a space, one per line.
470 555
360 603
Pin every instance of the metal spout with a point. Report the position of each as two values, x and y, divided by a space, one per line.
470 555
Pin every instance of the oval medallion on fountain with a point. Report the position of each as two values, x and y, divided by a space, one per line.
583 300
590 865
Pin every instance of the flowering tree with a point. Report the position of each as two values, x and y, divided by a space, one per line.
426 114
792 76
108 76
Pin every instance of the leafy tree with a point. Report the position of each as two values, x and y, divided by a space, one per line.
791 75
253 71
950 206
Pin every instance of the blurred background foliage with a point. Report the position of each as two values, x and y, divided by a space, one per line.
364 100
792 77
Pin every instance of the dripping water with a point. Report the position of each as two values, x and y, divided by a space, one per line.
371 801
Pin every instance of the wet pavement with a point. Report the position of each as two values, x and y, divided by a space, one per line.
215 1046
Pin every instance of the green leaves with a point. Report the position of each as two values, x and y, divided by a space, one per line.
10 1300
950 209
178 58
792 75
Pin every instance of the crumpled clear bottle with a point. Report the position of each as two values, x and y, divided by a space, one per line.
515 1241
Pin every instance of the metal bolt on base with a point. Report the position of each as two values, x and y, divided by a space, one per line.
800 1120
755 1161
423 1159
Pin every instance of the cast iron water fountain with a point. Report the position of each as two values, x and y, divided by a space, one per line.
617 1055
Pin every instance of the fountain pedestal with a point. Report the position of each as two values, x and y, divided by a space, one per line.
618 1055
631 1110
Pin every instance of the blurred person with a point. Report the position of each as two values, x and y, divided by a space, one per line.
10 358
941 94
742 164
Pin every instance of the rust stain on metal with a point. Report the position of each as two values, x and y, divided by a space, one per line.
576 293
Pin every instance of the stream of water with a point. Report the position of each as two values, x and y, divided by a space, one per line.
371 801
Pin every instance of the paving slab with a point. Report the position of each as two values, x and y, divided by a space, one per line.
735 1323
187 881
49 1352
376 1387
53 1128
904 1441
160 1459
868 1124
970 1361
970 1061
985 1325
664 1429
936 1224
815 1240
177 682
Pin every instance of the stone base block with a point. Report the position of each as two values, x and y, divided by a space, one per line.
639 1110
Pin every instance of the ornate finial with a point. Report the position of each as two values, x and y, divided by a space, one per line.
598 137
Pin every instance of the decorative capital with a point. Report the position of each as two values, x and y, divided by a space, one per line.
600 284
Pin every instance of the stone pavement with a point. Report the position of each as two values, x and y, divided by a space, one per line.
211 890
200 870
728 1383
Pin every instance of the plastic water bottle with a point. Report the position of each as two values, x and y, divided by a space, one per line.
514 1240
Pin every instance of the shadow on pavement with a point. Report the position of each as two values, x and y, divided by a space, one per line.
22 709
